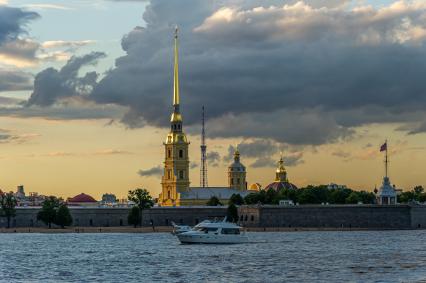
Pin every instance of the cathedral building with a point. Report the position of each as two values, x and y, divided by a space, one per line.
175 180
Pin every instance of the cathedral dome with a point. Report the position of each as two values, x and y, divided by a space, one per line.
82 198
276 186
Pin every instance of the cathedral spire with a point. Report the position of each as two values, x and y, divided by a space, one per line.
176 118
176 72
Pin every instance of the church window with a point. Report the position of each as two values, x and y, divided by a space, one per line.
181 174
178 127
169 174
169 153
180 153
168 194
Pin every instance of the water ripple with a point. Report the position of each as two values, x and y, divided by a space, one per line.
366 256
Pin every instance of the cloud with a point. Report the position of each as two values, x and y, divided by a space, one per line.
67 109
12 80
341 154
47 6
51 84
9 136
154 171
293 159
103 152
213 158
13 22
263 162
300 73
68 44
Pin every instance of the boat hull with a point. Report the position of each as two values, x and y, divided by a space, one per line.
212 239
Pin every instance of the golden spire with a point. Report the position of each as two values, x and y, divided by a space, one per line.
281 173
176 71
176 116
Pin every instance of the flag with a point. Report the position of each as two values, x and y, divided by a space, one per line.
384 147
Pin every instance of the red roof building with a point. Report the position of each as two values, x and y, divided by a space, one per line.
82 198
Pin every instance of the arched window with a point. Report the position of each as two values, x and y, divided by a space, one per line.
169 153
180 153
169 174
169 194
181 174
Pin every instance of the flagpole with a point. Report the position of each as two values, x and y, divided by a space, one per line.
386 159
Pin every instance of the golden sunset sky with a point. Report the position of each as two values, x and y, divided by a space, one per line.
86 91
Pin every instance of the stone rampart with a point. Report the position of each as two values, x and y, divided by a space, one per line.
303 216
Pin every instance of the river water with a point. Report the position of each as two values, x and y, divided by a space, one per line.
367 256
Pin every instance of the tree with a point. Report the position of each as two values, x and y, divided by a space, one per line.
8 203
353 198
232 213
214 201
236 199
134 217
63 216
47 214
142 199
418 190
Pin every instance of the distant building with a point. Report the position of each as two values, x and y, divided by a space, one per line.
387 193
333 186
82 200
20 192
237 174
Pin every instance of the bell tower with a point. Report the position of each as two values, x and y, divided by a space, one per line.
176 164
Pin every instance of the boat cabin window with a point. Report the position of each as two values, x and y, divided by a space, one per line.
207 230
230 231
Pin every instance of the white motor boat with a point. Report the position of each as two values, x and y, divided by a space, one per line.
208 232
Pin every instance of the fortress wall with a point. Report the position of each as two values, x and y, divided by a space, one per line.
108 217
331 216
418 217
309 216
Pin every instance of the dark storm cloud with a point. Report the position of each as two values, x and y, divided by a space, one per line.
213 158
51 84
11 80
154 171
293 72
13 22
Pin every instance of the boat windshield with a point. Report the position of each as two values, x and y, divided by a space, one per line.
230 231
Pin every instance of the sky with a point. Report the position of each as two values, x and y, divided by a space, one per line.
86 91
